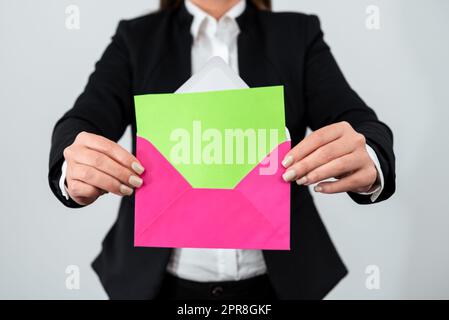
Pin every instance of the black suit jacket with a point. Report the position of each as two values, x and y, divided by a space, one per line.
152 54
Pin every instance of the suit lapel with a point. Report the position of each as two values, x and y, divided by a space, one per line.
173 64
255 67
172 67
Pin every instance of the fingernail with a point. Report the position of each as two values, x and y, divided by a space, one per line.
289 175
318 189
288 161
301 181
125 190
135 181
137 167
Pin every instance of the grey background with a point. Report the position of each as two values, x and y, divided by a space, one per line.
401 70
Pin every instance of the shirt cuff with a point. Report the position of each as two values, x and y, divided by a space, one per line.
378 186
62 185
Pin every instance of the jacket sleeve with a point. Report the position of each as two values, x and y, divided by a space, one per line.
104 107
330 99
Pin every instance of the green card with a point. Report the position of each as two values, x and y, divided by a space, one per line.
214 139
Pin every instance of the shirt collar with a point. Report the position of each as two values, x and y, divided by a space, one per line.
200 15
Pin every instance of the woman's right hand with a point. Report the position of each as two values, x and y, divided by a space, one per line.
96 165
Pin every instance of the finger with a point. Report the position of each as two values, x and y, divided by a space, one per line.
313 141
107 165
99 179
111 149
358 179
336 168
83 193
319 157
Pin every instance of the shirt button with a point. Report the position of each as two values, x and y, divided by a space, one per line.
217 291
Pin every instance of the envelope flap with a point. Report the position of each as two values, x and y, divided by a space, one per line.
272 194
167 178
213 139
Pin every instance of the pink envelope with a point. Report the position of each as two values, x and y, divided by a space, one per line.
170 213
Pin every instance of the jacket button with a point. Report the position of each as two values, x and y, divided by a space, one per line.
217 291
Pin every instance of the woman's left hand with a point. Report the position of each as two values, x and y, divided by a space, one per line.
335 151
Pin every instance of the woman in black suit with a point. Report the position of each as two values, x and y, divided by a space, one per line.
157 53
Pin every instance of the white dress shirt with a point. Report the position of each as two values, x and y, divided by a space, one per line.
215 38
219 38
